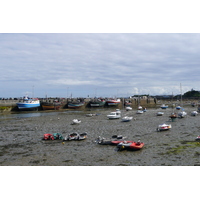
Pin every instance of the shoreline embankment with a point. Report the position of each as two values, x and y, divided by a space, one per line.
10 105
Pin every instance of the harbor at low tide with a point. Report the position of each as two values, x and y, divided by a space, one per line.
21 141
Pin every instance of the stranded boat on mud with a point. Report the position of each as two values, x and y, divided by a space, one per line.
164 127
75 136
130 145
114 140
114 115
28 104
54 136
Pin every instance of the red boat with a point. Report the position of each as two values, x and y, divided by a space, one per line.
48 136
130 145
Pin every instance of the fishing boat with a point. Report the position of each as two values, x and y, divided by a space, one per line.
114 115
97 103
75 104
28 104
194 113
164 127
113 102
130 145
55 105
163 106
126 119
127 103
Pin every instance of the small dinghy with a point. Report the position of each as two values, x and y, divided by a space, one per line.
54 136
116 139
48 136
160 113
82 136
75 136
194 113
90 115
127 119
182 114
164 127
198 138
71 136
75 121
130 145
140 112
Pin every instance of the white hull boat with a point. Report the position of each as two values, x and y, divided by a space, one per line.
127 119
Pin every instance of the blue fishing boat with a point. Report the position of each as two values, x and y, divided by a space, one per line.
75 104
28 104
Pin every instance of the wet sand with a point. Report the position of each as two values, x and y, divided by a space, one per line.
21 141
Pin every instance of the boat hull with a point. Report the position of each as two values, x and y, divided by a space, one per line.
74 105
28 106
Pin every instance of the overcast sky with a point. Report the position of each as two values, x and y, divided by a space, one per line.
102 64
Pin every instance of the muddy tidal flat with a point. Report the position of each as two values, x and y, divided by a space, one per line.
21 141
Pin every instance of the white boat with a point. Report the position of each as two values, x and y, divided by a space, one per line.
140 111
90 115
182 114
163 106
76 121
126 119
113 102
28 104
164 127
194 113
114 115
160 113
178 107
139 107
128 108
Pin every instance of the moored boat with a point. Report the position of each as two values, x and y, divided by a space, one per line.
164 127
140 111
75 104
198 138
113 102
130 145
163 106
160 113
182 114
76 121
126 119
128 108
97 103
114 140
55 105
28 104
178 107
114 115
194 113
